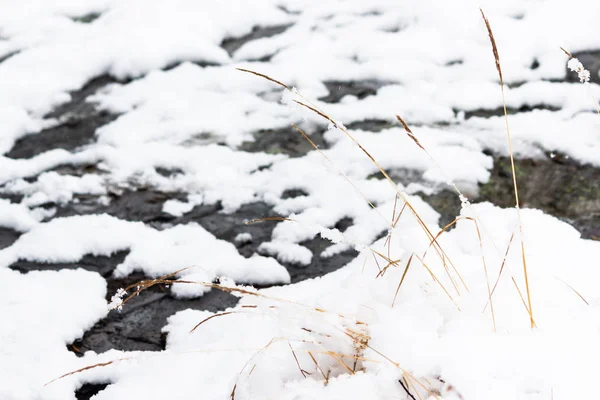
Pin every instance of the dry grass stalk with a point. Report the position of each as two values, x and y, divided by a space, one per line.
438 282
309 140
255 221
441 253
402 279
409 133
512 164
211 317
487 280
573 289
86 368
303 372
325 377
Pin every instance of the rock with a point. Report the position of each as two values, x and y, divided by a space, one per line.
371 125
557 185
139 325
231 45
284 141
499 112
104 265
88 390
339 89
76 127
8 237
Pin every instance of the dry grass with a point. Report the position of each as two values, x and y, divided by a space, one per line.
512 165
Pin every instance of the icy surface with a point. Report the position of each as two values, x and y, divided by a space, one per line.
179 105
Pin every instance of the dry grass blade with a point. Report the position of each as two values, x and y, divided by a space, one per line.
255 221
438 282
409 132
503 262
402 279
567 53
573 289
494 47
85 369
405 373
325 377
317 111
512 164
211 317
303 372
265 76
309 140
487 280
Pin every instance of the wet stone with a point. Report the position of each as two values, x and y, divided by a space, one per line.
133 205
8 237
284 141
557 185
231 45
104 265
139 325
445 202
361 89
89 389
293 193
76 127
371 125
319 266
344 224
87 18
499 112
402 175
228 226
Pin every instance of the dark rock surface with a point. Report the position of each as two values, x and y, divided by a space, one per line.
231 45
8 237
557 185
138 326
284 141
339 89
143 204
371 125
88 390
104 265
499 112
77 124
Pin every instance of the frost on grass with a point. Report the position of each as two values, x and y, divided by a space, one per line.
576 66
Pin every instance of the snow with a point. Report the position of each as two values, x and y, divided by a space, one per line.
180 105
